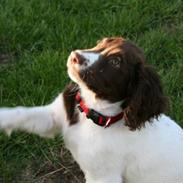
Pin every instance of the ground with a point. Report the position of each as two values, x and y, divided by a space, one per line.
36 38
67 171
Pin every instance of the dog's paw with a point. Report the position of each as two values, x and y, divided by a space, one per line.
5 128
4 122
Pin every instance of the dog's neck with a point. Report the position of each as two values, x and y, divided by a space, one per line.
102 106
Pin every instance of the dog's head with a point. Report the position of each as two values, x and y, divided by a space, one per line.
115 70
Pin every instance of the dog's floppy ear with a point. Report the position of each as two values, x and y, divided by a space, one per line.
147 99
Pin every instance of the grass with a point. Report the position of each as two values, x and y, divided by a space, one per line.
35 39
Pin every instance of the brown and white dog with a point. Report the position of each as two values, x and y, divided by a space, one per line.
111 117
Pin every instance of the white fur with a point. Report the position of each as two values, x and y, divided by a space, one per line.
91 57
153 154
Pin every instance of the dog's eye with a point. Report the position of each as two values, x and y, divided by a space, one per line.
115 62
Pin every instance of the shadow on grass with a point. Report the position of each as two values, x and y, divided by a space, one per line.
67 171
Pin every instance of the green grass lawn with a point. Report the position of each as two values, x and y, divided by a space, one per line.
36 38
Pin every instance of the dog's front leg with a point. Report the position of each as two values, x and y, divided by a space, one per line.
44 120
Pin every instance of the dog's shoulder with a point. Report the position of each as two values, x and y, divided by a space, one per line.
69 94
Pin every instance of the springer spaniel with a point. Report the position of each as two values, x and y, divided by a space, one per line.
111 117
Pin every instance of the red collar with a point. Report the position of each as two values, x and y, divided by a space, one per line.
95 116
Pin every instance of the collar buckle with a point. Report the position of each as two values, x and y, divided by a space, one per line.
97 118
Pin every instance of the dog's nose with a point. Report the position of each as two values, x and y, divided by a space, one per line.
77 58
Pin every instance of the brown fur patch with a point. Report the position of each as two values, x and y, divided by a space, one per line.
70 103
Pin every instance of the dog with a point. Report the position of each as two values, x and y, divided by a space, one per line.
112 117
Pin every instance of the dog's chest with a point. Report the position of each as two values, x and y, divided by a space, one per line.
91 146
83 137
